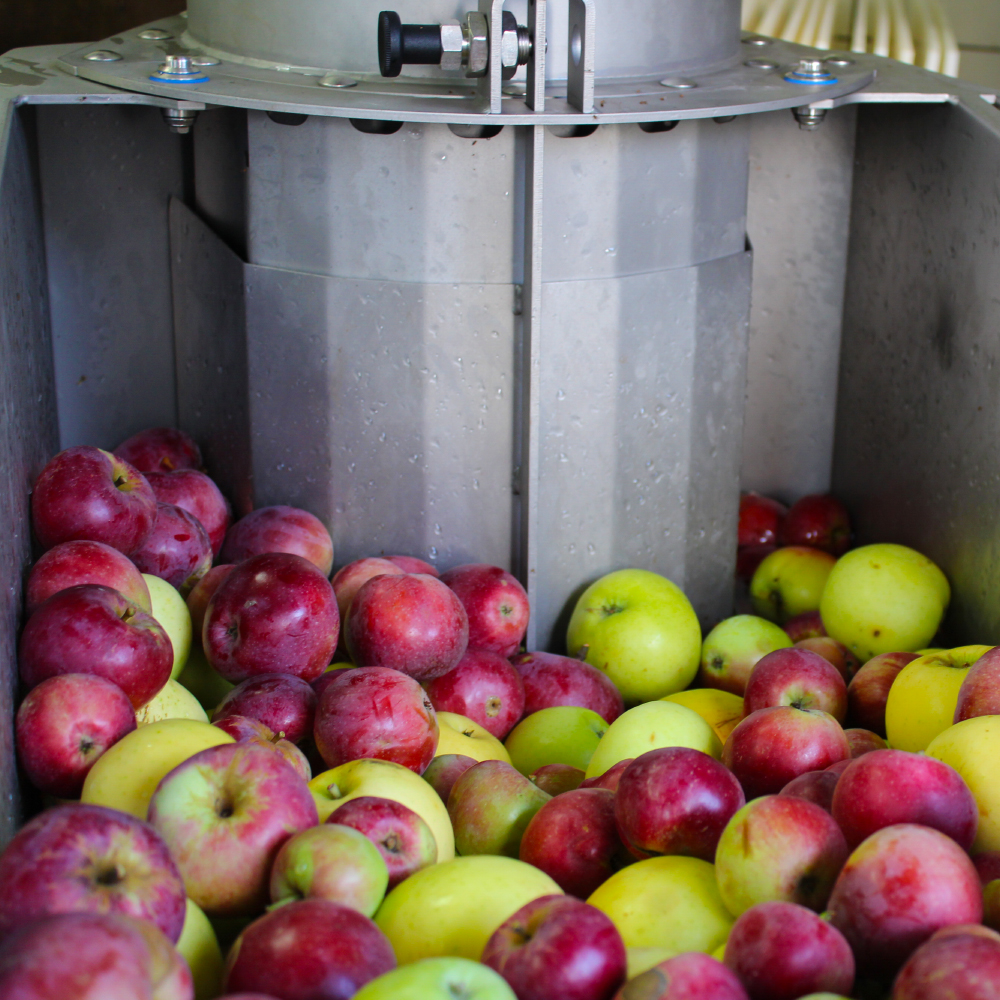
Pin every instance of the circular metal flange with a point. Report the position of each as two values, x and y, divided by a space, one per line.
102 55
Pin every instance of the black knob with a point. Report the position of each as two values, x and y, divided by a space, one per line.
402 45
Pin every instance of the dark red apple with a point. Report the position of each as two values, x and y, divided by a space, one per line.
284 703
404 840
773 745
551 681
349 579
808 625
90 629
782 951
869 690
496 604
691 975
796 677
759 520
610 778
64 725
980 691
574 839
376 712
834 652
274 613
412 622
445 770
279 529
675 800
817 786
483 687
241 728
308 950
160 449
987 864
201 593
320 684
411 564
964 964
862 741
199 496
557 778
87 493
898 887
556 946
886 787
178 550
72 563
820 521
88 858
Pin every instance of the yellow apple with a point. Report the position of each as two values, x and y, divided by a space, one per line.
459 734
923 697
453 907
386 780
562 734
669 902
972 748
648 727
790 582
722 710
639 629
884 599
173 701
171 611
127 774
643 959
199 947
203 680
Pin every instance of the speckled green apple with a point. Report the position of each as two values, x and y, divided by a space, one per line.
564 734
438 979
734 646
790 582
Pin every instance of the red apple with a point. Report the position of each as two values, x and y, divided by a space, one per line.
496 604
773 745
808 625
748 558
178 550
376 712
610 778
987 864
274 613
688 976
799 678
241 728
820 521
64 725
980 691
901 885
556 946
869 690
760 519
201 593
483 687
92 956
445 770
782 951
87 493
72 563
834 652
199 496
676 801
886 787
279 529
90 629
413 623
555 779
160 449
349 579
224 813
862 741
411 564
551 681
292 754
404 840
814 786
574 839
308 950
282 702
88 858
960 965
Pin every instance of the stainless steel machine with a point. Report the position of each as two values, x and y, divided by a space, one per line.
540 284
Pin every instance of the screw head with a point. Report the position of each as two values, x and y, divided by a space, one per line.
204 61
678 83
760 64
102 55
337 82
838 61
756 40
155 35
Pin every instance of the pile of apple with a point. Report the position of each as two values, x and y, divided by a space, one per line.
393 801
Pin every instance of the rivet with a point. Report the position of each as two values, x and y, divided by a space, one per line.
155 35
337 82
678 83
761 64
102 55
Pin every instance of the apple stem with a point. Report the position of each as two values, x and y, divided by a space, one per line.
581 653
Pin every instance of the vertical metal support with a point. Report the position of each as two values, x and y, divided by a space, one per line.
580 57
489 86
534 95
526 477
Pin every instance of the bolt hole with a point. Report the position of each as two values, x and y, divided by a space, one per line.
576 45
654 127
371 126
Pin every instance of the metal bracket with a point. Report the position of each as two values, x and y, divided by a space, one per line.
534 95
489 86
580 60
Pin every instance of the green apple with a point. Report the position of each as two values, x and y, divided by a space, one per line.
171 611
669 902
790 582
565 734
199 947
641 630
884 599
453 907
203 680
734 646
649 727
438 979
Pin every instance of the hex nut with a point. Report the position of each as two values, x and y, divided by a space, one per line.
452 46
509 50
477 35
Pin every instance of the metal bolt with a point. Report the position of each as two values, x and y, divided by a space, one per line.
761 64
678 83
809 119
176 66
102 55
810 71
515 45
337 82
180 120
155 35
